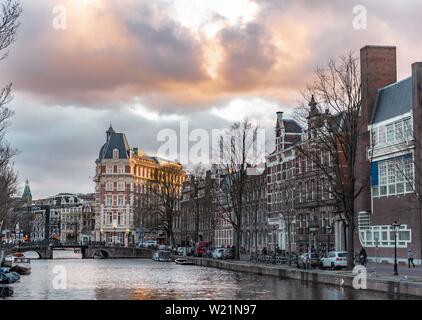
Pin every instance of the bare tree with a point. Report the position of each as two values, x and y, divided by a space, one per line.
145 212
289 214
333 130
167 190
255 203
197 177
237 151
11 11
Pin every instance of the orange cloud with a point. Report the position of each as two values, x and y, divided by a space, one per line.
116 51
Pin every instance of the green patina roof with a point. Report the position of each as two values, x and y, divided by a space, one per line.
27 191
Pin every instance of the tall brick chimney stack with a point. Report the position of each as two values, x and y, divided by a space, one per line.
378 69
417 85
417 112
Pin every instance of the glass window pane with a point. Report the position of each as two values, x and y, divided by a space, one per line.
404 235
375 191
390 133
398 126
381 135
383 190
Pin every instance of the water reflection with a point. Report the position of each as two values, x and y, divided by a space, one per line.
146 280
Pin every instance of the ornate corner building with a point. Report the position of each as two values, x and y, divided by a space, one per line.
123 179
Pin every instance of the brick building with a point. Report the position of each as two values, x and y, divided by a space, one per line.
390 156
124 178
319 225
255 218
199 209
281 174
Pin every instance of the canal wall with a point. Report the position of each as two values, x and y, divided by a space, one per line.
340 278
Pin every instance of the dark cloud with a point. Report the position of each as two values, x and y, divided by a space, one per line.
248 55
119 57
69 85
58 145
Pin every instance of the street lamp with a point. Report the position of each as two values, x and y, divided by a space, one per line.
274 227
312 231
396 227
329 230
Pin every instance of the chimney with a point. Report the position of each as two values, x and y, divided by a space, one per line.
417 85
378 69
280 115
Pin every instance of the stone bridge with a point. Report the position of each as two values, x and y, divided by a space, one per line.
89 251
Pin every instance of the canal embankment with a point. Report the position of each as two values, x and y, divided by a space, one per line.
411 286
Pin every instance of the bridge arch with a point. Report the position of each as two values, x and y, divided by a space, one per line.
101 254
40 256
40 253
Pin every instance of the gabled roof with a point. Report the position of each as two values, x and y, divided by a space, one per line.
339 122
291 126
393 100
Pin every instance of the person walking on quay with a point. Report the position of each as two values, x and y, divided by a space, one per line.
410 258
363 257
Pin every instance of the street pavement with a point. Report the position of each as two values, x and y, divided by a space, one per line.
388 269
376 270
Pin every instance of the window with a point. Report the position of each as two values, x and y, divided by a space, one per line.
109 186
115 153
375 140
313 190
109 169
407 129
391 177
108 200
383 236
395 176
381 135
120 186
308 191
120 169
390 134
396 132
121 201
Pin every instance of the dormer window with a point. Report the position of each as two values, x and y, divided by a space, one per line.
115 153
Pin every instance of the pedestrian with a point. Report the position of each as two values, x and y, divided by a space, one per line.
410 258
363 256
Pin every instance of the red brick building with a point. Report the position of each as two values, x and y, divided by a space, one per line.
389 156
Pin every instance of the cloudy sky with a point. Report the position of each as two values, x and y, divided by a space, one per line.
147 65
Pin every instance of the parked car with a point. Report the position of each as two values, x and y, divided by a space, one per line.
335 260
308 260
218 253
201 248
185 251
223 253
228 253
149 244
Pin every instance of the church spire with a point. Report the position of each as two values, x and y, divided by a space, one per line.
109 132
27 196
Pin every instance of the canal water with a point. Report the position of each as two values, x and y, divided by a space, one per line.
143 279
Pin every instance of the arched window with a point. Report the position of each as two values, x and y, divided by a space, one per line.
115 153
